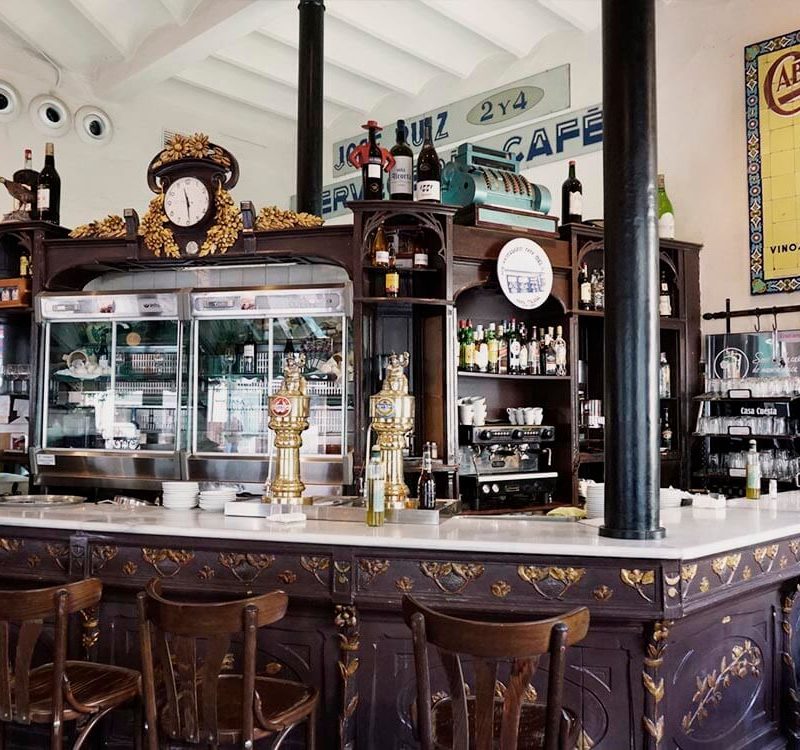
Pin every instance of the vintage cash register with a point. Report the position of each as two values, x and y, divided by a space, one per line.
489 186
506 467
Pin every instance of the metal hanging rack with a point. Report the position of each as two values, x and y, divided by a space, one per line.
727 314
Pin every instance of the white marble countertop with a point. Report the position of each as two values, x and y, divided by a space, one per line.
691 532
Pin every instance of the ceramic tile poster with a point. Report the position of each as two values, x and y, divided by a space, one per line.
772 96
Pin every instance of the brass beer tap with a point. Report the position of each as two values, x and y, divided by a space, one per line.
391 412
288 418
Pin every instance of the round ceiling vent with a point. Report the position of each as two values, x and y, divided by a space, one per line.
50 115
93 125
9 102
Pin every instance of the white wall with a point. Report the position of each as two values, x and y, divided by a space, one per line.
97 180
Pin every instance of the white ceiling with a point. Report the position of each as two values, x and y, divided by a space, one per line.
245 51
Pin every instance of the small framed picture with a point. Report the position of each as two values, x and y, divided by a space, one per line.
19 442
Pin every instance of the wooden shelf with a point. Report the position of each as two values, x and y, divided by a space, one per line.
384 269
428 301
504 376
598 458
667 323
14 457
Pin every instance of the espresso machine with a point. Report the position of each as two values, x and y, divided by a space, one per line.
506 467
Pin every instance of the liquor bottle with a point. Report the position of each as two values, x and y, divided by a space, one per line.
560 347
429 171
247 363
666 432
469 348
666 217
550 360
375 488
49 190
492 347
753 481
462 325
392 275
372 168
514 348
664 297
599 289
401 178
481 350
664 384
502 349
571 198
29 177
534 353
426 485
523 351
584 289
420 255
380 250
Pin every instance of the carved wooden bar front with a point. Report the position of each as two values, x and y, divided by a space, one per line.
711 641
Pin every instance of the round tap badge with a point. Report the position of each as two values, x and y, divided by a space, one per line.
384 407
525 273
280 406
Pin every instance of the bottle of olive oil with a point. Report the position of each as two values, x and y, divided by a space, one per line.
375 488
753 491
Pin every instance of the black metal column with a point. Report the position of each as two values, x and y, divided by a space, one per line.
632 467
309 106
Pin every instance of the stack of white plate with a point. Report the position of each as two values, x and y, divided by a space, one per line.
179 495
595 500
214 500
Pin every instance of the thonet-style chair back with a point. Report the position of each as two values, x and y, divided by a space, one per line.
189 642
29 609
480 719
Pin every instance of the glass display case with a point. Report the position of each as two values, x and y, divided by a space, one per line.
240 338
114 391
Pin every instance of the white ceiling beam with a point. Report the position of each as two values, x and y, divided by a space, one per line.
531 23
582 14
451 49
172 48
278 62
254 90
180 10
348 48
83 8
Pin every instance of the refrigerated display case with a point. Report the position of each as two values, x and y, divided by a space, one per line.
240 338
113 401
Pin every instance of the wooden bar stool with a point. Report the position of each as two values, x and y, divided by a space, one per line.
482 719
193 703
62 690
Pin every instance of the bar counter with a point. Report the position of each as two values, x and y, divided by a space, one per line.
692 638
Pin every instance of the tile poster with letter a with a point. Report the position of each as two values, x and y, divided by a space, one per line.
772 99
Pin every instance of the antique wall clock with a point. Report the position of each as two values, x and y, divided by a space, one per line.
193 212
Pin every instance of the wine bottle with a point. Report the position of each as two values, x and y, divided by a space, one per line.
523 351
666 217
372 170
664 385
429 171
666 432
664 297
380 250
49 188
401 178
481 350
469 348
492 346
534 353
462 327
599 289
571 198
584 288
426 484
502 349
550 361
375 488
28 177
392 275
560 348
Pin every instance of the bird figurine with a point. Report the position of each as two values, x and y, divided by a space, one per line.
22 193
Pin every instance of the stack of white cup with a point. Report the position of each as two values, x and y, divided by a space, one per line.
472 411
529 415
595 500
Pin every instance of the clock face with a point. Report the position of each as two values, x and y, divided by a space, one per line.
186 201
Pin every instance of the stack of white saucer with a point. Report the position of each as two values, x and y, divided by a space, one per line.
595 500
214 500
670 497
179 495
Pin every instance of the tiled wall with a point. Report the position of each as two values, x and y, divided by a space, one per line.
284 274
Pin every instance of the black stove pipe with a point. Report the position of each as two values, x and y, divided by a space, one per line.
632 466
309 106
